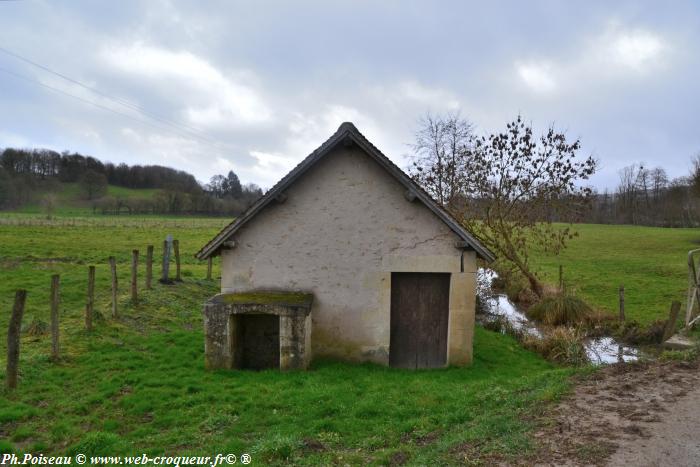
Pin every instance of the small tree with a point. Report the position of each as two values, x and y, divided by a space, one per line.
518 186
513 187
93 184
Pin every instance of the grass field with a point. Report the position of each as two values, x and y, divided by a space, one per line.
70 200
136 384
650 262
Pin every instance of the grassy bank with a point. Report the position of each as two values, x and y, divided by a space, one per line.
650 262
136 384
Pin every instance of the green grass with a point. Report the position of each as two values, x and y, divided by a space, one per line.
71 202
137 383
650 262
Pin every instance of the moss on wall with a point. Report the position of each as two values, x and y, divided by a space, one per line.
264 297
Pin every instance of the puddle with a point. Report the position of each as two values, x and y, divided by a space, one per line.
600 350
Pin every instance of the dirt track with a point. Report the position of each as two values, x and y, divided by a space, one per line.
623 415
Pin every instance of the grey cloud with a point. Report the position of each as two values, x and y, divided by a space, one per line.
268 81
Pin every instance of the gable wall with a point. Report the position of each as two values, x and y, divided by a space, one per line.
343 229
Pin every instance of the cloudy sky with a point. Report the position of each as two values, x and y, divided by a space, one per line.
256 86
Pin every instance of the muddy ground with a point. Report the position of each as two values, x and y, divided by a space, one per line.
643 414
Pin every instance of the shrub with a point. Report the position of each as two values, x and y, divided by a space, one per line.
560 345
560 309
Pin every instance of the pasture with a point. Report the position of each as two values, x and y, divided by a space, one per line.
70 201
651 263
136 384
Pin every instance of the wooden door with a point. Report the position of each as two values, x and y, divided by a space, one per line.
420 307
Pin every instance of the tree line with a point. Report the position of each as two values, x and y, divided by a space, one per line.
647 196
31 175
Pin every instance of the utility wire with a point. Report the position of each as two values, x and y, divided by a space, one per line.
180 126
100 106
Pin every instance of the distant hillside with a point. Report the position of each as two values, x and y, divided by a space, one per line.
69 199
33 180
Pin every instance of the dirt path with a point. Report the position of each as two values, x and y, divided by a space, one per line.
623 415
674 441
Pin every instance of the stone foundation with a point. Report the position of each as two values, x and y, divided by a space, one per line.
258 330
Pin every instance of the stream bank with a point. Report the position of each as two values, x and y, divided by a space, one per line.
495 307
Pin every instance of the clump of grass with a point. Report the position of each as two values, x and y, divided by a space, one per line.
560 345
689 355
36 327
561 309
278 447
98 443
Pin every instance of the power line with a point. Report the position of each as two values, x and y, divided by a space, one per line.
180 126
100 106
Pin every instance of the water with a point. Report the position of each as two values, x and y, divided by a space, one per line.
600 350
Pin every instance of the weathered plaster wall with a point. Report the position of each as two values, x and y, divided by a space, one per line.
344 227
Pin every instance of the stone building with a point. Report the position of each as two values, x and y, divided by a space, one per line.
345 257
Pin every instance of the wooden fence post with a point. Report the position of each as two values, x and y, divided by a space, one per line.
561 278
622 302
90 298
672 320
209 268
55 282
134 275
113 269
13 332
166 263
176 250
149 266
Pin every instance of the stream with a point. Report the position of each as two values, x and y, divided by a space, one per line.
600 350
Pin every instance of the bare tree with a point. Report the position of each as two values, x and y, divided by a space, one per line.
659 182
442 155
695 174
627 192
641 183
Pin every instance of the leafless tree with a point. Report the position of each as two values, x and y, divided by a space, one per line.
695 174
659 182
442 155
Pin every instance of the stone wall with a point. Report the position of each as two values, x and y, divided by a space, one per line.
257 334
